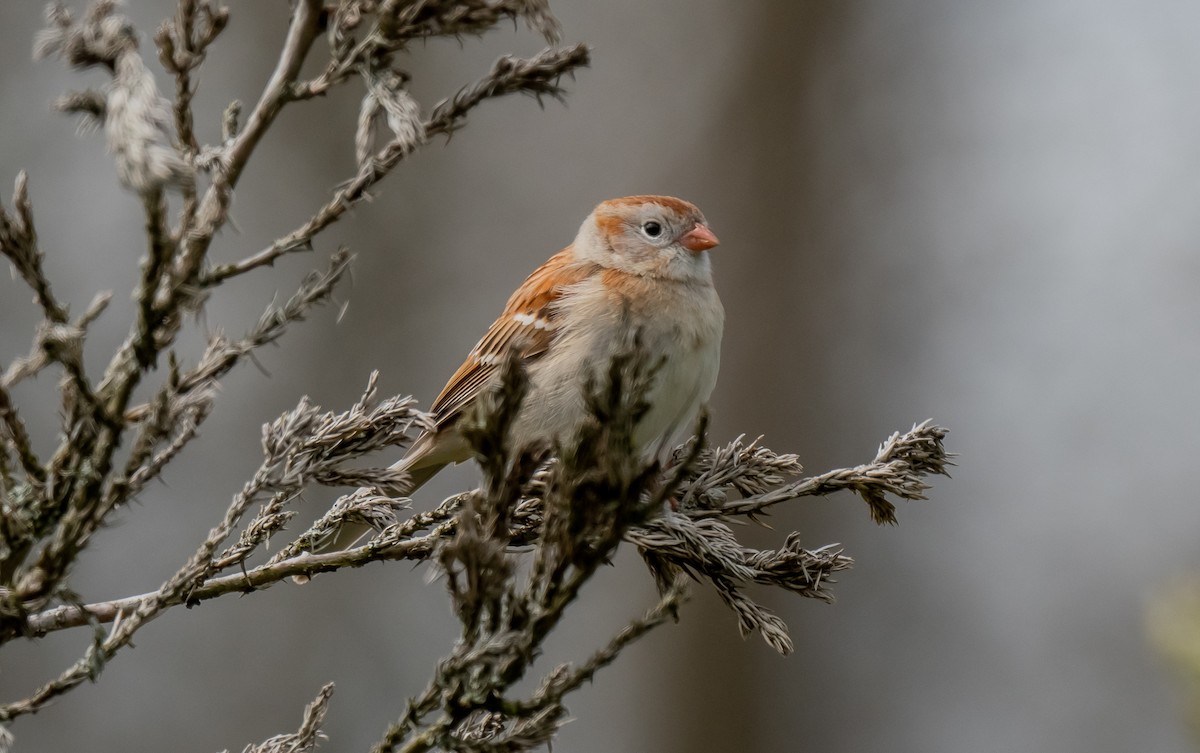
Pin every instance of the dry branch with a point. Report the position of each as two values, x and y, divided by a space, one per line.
565 509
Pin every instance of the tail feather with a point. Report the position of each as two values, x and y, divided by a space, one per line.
349 534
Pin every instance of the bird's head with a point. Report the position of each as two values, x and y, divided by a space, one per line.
652 236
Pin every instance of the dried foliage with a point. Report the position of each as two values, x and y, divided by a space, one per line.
304 739
515 552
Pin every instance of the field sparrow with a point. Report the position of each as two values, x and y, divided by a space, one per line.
640 262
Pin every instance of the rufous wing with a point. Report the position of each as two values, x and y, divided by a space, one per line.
528 325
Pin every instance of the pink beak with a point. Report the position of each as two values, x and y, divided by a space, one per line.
699 238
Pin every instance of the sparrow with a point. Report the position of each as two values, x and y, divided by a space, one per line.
638 263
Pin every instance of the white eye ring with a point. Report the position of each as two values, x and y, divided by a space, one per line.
652 229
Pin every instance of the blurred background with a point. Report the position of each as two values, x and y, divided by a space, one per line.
979 212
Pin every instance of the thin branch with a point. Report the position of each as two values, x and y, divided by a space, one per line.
572 506
898 469
401 22
690 539
307 737
572 679
182 46
255 579
16 436
18 242
538 76
222 355
212 211
156 262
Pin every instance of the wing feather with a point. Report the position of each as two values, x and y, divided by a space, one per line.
528 323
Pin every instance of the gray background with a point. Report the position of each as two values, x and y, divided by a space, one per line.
981 212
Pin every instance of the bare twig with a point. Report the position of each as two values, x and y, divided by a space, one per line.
263 576
538 76
568 679
154 265
564 509
213 209
691 540
899 469
182 46
222 355
16 437
307 737
401 22
18 242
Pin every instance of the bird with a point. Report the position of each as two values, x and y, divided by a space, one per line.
637 263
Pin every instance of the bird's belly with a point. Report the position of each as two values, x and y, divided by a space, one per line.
556 405
681 386
686 347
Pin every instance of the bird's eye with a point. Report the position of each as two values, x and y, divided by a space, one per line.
652 229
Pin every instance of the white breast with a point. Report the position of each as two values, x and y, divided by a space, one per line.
690 345
681 324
